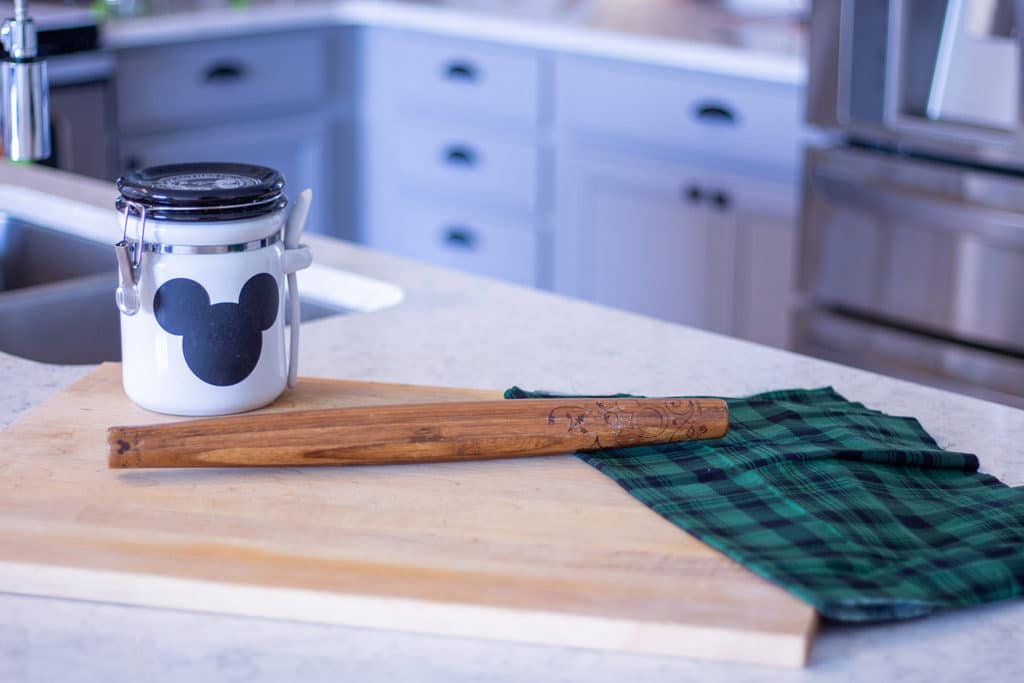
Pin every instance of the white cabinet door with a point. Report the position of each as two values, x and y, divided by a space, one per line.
693 245
764 216
295 146
636 234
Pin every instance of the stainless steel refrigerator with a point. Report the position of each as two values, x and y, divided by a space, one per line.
912 226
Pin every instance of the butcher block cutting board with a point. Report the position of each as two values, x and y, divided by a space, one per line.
542 550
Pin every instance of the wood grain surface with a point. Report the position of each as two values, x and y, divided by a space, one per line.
540 550
417 432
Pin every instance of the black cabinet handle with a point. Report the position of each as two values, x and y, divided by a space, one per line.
460 237
460 155
721 200
715 113
224 72
693 194
463 71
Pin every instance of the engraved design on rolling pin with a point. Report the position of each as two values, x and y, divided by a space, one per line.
631 421
576 416
684 413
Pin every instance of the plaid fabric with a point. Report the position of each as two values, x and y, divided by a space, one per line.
858 513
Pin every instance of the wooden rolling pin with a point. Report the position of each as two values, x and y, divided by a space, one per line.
429 432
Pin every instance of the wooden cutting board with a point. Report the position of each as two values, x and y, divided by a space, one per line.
542 550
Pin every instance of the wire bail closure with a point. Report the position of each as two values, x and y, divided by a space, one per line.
129 261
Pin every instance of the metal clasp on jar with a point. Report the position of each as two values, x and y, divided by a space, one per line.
129 261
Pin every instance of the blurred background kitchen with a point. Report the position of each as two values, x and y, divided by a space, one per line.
841 178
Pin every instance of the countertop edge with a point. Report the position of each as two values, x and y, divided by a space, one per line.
553 36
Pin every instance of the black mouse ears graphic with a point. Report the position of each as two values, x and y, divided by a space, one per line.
221 343
181 301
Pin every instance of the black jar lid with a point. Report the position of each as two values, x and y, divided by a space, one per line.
203 191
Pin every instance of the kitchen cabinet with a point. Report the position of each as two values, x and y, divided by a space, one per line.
413 75
764 213
676 195
453 157
299 148
457 237
684 243
174 86
283 100
656 189
754 127
661 191
635 236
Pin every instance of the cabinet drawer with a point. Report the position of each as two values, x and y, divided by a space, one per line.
412 73
296 149
450 238
756 123
178 84
464 165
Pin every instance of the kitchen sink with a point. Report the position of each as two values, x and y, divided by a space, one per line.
31 255
57 296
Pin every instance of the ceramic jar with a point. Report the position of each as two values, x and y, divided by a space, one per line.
202 266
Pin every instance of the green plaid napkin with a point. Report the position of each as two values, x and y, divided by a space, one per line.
858 513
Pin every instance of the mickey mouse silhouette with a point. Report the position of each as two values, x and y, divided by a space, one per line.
222 342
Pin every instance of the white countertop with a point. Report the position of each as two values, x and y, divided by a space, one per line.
458 330
688 35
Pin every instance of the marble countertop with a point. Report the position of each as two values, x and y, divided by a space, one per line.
689 34
458 330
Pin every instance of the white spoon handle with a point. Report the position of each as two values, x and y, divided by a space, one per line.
292 234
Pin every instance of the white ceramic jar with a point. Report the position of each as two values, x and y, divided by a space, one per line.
202 267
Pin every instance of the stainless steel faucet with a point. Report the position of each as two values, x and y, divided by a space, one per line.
25 118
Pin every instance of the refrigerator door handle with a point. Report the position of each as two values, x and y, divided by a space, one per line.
900 353
936 211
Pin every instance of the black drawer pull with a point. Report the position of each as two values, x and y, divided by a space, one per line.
715 113
461 71
460 155
461 238
693 194
224 72
721 200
